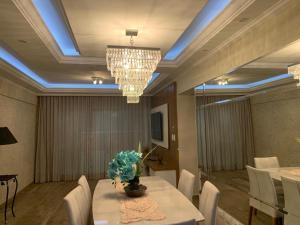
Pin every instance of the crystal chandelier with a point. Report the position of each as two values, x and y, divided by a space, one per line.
132 67
295 71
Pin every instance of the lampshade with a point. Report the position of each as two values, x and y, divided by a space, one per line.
6 137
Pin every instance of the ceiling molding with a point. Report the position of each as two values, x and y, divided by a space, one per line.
235 36
243 30
87 93
31 15
246 90
266 65
234 9
19 75
29 12
41 90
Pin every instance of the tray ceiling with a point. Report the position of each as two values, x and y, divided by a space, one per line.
97 23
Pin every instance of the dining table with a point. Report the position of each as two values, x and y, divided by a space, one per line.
175 207
291 172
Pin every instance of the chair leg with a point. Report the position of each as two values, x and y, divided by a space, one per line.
250 215
274 221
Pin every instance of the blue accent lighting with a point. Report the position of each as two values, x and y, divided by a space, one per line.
56 26
154 77
81 86
209 12
17 64
243 86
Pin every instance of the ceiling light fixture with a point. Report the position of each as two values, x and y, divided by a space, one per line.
132 67
223 82
295 72
97 80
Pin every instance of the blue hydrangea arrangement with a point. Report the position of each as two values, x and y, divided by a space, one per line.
125 165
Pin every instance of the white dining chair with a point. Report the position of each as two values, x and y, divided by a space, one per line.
77 210
186 184
87 191
266 162
189 222
208 203
263 196
291 189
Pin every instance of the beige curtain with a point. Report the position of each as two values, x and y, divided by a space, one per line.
225 135
80 135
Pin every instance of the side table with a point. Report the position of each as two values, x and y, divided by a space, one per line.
4 179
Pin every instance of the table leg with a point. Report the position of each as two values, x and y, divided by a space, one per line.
13 202
6 201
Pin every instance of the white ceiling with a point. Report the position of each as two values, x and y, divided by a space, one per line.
96 24
288 55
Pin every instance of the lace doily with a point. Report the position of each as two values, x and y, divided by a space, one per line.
137 209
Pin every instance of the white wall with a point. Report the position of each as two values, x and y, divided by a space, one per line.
187 135
18 113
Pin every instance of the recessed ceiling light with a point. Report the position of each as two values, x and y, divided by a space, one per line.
97 80
223 82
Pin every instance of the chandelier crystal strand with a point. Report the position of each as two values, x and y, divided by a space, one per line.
132 68
295 71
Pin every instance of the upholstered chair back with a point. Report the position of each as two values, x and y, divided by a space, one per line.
208 203
291 190
87 191
253 183
266 162
262 186
186 184
77 211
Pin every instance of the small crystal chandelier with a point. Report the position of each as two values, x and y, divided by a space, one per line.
132 67
295 71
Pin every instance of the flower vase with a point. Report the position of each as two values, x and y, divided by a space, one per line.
134 188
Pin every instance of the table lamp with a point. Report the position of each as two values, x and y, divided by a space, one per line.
6 137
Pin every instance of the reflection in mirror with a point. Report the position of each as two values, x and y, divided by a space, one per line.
250 113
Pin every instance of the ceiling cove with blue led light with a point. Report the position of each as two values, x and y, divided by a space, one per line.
55 22
56 25
210 11
21 67
243 86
